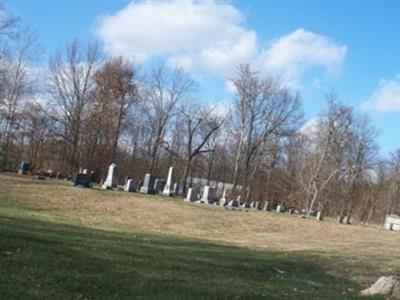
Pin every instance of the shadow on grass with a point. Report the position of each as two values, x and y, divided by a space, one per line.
41 260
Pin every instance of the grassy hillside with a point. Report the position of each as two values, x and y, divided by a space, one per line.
60 242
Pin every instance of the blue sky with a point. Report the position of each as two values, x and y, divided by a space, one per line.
351 47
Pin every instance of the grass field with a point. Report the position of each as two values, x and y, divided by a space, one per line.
61 242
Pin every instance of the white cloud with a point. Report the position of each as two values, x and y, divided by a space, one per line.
386 98
207 34
294 54
211 36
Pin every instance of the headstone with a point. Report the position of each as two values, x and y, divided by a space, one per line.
167 188
392 222
24 168
95 175
256 205
188 197
191 195
208 194
180 190
175 188
347 220
265 206
223 199
130 186
111 180
81 180
319 216
159 185
235 203
148 184
279 208
138 186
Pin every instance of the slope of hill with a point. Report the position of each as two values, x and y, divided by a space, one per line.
59 242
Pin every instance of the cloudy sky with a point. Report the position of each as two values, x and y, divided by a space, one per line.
351 47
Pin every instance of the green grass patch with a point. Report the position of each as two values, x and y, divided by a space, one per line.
46 260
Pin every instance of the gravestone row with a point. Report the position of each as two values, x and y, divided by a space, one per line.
153 185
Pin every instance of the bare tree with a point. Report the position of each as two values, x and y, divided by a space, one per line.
360 155
15 83
393 191
71 85
199 125
163 91
263 108
8 24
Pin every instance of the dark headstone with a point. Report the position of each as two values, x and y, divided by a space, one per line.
181 190
130 185
24 168
82 180
235 203
95 176
159 185
139 186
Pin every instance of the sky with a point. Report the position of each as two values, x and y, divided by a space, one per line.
314 47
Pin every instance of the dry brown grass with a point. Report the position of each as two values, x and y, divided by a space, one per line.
368 251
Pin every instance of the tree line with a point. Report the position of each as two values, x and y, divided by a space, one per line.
90 109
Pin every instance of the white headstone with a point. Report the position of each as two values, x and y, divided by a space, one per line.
191 195
130 185
279 208
111 180
319 216
148 184
208 194
265 207
167 188
223 199
392 222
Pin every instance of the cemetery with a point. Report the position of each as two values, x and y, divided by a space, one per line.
199 193
152 209
199 149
